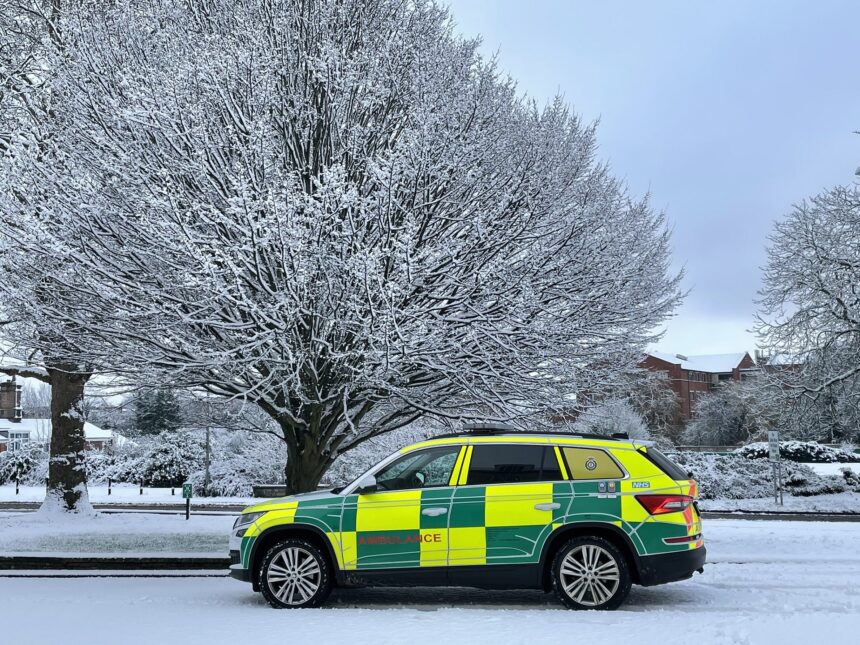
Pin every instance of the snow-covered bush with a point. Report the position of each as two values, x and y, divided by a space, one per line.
97 463
852 479
809 452
171 459
238 461
734 477
124 464
29 463
609 417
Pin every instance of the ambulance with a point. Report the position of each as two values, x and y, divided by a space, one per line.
583 516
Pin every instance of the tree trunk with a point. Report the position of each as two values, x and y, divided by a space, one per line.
67 476
306 464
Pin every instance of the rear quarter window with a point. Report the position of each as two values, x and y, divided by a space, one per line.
665 464
591 463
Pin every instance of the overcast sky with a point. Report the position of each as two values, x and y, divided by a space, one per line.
727 112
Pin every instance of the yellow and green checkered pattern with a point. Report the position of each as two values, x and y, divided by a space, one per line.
462 524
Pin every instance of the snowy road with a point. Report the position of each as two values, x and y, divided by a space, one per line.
774 582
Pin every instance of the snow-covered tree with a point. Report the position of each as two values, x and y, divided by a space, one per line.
157 410
654 401
32 343
339 212
727 416
810 312
611 416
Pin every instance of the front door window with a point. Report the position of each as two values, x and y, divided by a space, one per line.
422 469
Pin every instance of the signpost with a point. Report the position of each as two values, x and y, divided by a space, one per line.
187 492
776 465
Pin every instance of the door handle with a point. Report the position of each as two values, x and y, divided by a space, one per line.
548 507
434 512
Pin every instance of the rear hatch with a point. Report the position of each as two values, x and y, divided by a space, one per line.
685 502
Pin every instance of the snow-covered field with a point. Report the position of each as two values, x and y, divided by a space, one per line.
846 502
833 469
115 532
766 582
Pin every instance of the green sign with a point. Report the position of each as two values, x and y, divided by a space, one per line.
187 491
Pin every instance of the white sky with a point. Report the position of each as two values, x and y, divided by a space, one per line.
727 112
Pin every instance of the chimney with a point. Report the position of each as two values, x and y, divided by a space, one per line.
10 401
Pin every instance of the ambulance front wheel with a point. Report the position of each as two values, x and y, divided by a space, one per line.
590 573
294 574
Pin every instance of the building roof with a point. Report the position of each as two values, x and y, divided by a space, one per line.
40 430
713 363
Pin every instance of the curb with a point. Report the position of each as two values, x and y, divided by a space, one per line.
33 562
196 509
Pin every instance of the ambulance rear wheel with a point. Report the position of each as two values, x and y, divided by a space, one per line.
590 573
295 574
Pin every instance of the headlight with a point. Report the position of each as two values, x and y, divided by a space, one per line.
247 519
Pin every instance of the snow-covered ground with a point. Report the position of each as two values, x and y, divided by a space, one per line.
766 582
847 502
833 469
115 532
122 494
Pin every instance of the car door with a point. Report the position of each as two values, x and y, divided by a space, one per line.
503 507
404 522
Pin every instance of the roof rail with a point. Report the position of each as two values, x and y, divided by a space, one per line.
494 429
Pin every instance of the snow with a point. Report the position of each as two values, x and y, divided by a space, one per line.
834 468
763 584
713 363
847 502
116 532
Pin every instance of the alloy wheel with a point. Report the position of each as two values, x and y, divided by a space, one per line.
589 575
294 576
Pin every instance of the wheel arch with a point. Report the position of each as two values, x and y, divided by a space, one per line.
275 533
604 530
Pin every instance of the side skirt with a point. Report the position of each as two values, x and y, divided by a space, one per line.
492 576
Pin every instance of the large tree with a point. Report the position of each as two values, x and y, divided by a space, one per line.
33 343
810 312
339 212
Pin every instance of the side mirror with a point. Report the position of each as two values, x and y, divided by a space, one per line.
366 485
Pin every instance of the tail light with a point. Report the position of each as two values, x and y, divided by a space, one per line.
662 504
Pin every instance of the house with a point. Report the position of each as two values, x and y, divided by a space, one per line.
15 434
692 376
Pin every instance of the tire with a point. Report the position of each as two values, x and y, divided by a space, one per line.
295 574
590 573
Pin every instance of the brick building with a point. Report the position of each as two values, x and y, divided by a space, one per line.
692 376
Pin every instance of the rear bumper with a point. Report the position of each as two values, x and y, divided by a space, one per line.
670 567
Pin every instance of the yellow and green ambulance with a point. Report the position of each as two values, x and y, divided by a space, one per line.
583 515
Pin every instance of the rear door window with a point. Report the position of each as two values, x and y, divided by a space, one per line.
591 463
512 464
